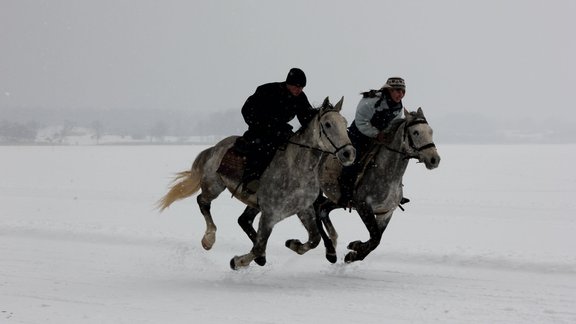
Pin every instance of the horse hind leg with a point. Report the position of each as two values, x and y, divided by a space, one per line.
209 237
308 219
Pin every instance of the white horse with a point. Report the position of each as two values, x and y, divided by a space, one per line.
378 190
289 185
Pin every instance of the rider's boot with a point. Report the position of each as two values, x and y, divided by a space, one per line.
251 177
346 180
251 186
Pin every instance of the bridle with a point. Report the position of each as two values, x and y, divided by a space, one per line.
323 132
411 143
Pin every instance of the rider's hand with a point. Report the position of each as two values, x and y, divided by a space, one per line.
381 137
285 133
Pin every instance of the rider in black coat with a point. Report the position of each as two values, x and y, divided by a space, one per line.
268 113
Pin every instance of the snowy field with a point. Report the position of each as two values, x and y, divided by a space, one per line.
489 237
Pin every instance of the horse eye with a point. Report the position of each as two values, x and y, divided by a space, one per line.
327 125
416 133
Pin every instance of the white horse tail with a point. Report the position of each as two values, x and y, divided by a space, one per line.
186 183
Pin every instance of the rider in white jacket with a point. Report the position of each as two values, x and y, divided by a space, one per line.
367 108
375 111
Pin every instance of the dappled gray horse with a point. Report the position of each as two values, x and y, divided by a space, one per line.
378 192
289 185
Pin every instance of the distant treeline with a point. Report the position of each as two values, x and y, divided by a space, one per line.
22 125
126 122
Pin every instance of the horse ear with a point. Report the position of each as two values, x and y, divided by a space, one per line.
420 112
338 106
406 113
326 103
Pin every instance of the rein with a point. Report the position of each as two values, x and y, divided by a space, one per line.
322 131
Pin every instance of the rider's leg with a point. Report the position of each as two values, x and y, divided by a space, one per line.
257 160
349 174
347 179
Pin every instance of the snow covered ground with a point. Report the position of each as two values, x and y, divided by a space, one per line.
489 237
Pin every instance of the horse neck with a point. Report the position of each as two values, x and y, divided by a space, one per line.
399 136
304 147
308 135
391 161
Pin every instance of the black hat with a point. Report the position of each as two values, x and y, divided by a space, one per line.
296 77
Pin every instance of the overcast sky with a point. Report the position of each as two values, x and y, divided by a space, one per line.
498 57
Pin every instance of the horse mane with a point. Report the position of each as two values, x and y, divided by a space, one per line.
312 116
393 127
395 123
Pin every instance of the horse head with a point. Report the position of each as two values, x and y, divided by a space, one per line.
333 132
420 143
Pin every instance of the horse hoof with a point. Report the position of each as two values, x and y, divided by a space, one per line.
233 264
206 246
291 244
332 258
354 245
260 260
294 245
350 257
208 241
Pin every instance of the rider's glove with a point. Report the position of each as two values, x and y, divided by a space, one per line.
381 137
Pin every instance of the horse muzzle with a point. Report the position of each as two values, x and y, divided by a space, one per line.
429 157
346 154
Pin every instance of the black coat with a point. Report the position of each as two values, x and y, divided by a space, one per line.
270 109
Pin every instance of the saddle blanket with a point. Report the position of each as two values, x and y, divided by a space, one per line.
232 165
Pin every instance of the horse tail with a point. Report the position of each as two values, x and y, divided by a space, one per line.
186 183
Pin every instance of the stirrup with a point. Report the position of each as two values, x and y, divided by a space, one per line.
252 186
346 205
403 201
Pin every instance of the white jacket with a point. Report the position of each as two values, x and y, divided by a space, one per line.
366 110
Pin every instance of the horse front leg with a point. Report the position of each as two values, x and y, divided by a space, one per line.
331 229
246 220
361 249
308 219
258 252
329 243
